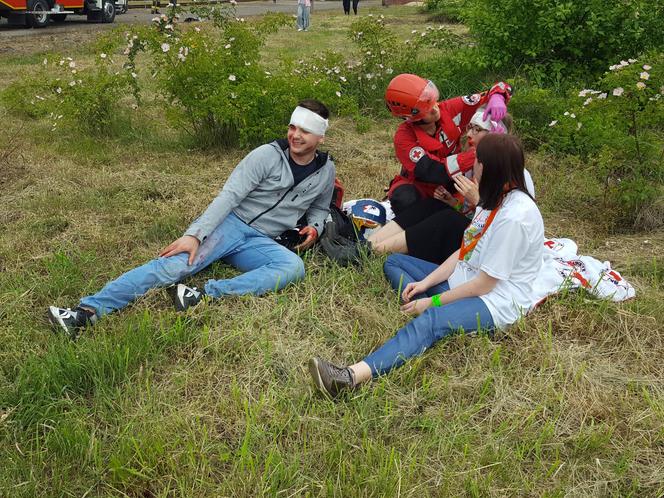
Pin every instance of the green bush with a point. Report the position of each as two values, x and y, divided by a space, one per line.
85 98
555 38
617 128
449 11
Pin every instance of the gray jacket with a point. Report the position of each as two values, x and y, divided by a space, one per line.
261 192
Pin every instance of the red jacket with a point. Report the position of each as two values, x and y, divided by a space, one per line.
427 161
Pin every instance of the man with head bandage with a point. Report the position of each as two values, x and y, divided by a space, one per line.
277 186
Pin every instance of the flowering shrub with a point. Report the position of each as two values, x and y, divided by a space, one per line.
551 38
617 127
86 98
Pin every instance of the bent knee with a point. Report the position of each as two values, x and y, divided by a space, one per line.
173 269
393 261
289 271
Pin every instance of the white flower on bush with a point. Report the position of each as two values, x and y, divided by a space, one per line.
644 76
72 64
553 123
573 116
233 2
617 92
640 85
231 77
601 96
583 92
102 55
268 73
588 101
338 94
578 126
58 90
155 19
247 63
227 46
197 29
631 61
342 78
74 71
169 26
647 67
134 75
165 47
368 76
72 83
566 113
45 61
624 63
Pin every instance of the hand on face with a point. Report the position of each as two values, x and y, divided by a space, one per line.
467 188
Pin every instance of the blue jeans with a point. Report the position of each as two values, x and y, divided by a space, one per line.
434 324
268 266
302 16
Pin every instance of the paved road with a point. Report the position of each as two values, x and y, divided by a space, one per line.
143 16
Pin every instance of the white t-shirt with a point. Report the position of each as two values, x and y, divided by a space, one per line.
510 251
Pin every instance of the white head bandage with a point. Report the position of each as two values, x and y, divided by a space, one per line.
309 121
487 125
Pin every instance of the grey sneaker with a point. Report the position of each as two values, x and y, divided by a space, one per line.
71 321
331 379
184 297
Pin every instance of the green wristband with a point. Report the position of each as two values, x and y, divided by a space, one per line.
435 300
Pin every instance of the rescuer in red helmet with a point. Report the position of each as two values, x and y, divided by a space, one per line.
428 142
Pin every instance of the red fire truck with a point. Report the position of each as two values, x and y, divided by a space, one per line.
37 13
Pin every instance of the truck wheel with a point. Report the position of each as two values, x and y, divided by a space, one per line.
37 20
58 17
108 11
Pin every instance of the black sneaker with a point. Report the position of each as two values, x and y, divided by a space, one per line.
185 297
331 379
70 321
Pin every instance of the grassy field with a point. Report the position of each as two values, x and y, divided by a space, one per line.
218 402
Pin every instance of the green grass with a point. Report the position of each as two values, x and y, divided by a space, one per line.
217 402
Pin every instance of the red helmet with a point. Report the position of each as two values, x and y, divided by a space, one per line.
411 97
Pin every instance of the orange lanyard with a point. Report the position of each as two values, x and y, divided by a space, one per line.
465 249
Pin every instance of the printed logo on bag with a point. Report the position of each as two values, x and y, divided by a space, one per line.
612 277
471 99
416 153
577 264
553 245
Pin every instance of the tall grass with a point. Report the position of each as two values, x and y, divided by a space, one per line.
217 402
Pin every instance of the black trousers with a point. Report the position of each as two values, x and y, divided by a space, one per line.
347 6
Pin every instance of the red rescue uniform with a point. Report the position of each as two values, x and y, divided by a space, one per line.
429 161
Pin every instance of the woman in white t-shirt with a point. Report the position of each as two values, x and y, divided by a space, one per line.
486 284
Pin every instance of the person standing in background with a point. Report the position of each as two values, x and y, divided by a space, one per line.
303 12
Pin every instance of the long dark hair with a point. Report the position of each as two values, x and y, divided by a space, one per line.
502 160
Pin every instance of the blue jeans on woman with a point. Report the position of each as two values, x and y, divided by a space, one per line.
303 16
267 266
469 314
